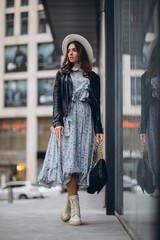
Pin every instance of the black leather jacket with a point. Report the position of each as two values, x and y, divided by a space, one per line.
62 94
146 100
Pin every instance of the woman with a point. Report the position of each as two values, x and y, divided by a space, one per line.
76 115
150 112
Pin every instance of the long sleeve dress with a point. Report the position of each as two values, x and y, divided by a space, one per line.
150 122
73 152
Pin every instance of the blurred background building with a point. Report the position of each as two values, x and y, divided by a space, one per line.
28 66
120 32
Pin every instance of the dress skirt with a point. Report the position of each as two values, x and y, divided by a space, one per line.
73 152
153 133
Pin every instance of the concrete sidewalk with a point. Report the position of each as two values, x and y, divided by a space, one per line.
39 219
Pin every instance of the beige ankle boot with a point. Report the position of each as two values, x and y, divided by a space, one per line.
65 214
75 219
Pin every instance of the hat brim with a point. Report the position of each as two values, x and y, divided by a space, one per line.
75 37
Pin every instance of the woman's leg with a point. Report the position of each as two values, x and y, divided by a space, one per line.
72 187
72 191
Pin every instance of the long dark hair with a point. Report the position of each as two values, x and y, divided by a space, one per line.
85 64
154 64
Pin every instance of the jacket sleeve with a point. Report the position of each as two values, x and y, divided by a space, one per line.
97 121
57 102
142 128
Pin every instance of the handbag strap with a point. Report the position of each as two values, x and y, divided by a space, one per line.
142 148
95 153
143 152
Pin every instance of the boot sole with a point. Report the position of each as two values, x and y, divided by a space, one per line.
63 219
75 223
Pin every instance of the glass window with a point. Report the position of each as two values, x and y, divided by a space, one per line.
44 132
24 2
47 57
135 91
9 24
45 91
12 137
24 23
13 147
15 93
9 3
16 58
137 33
41 21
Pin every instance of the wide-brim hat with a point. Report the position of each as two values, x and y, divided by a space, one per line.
75 37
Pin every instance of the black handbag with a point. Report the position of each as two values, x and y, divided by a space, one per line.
144 173
98 174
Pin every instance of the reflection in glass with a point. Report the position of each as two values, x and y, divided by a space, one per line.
24 23
16 58
15 93
47 57
135 91
150 112
9 24
140 110
45 91
42 21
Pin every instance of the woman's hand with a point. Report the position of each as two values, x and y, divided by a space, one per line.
99 137
58 131
142 137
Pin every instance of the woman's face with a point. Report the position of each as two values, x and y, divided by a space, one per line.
73 55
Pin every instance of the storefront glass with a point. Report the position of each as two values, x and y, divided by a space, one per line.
140 116
44 134
12 149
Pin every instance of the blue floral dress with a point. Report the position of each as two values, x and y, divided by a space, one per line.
73 152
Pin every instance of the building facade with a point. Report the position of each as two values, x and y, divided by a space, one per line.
28 66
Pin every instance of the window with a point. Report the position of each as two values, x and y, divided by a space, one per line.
15 93
135 91
45 91
24 2
39 1
16 58
9 24
44 132
48 58
14 186
41 22
24 23
9 3
12 137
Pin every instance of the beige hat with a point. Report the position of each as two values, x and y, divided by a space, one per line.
82 40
